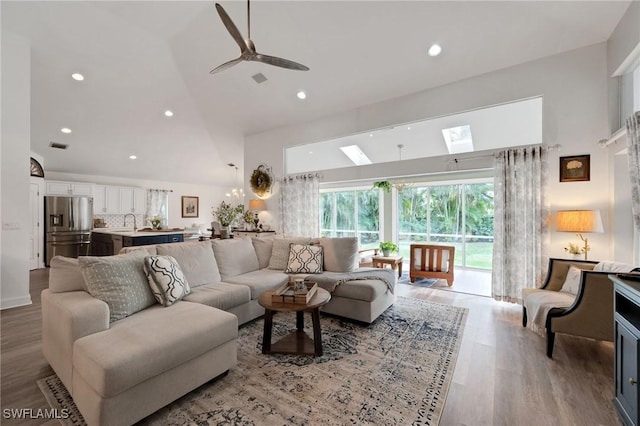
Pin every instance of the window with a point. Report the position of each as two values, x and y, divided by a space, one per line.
351 213
460 215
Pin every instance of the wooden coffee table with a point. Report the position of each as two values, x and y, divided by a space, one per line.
297 342
394 261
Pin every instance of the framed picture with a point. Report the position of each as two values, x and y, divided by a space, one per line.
575 168
189 206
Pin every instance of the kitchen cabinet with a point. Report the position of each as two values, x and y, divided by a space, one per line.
627 343
107 243
152 239
133 200
111 199
68 188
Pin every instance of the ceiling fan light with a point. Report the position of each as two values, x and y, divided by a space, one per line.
434 50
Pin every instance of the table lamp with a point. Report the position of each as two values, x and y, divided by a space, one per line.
579 221
257 205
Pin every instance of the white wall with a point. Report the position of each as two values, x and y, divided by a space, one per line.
209 195
574 90
16 104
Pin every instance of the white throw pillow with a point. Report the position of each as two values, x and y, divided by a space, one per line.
610 266
304 259
572 281
168 283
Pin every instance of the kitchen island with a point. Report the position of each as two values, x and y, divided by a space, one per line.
109 241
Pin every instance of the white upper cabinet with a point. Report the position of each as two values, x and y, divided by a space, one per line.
69 188
110 199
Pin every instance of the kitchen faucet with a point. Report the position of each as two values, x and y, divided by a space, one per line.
134 221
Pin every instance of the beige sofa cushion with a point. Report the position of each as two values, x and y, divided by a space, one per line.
340 254
235 256
65 275
119 281
260 281
220 295
280 251
150 343
263 248
196 260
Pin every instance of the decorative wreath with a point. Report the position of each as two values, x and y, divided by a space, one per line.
261 180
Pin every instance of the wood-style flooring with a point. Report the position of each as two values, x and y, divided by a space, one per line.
502 375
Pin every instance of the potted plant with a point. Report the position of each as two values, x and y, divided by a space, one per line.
226 215
388 247
385 185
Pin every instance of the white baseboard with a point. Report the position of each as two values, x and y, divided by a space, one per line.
15 302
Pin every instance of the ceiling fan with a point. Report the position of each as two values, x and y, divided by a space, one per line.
247 48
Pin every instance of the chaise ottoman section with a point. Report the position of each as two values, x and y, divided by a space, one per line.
179 347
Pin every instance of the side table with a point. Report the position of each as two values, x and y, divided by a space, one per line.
394 261
297 342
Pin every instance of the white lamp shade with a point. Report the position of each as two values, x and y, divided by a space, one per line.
579 221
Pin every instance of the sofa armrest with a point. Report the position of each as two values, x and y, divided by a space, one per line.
66 317
591 314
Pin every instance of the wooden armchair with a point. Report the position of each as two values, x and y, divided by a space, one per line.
431 261
587 314
366 257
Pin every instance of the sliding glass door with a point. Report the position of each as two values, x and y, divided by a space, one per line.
460 215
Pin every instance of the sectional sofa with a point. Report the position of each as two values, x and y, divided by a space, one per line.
123 356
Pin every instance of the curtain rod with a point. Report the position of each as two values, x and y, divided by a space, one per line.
161 190
475 157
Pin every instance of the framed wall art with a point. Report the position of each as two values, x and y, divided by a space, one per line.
190 206
575 168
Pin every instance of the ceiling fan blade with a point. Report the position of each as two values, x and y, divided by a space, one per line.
226 65
279 62
231 27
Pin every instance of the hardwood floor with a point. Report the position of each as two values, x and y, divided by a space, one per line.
502 375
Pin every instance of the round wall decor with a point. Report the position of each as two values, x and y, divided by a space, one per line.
261 180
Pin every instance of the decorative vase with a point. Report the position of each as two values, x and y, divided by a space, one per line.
224 232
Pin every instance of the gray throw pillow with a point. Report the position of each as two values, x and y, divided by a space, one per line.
119 281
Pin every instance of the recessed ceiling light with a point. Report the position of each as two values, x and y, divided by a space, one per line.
370 135
434 50
133 157
168 113
409 128
77 76
65 130
301 95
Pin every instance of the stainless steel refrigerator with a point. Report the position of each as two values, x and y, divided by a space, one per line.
67 226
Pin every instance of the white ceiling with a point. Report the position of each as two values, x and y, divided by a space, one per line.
140 58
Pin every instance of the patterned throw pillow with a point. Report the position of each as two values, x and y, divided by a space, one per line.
119 281
304 259
166 279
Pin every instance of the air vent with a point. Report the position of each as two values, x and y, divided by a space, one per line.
57 145
259 78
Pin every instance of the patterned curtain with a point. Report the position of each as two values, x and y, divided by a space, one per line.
633 149
520 222
157 205
300 205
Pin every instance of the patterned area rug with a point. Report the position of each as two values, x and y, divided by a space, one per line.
419 281
392 372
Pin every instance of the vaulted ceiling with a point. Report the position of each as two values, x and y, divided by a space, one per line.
140 58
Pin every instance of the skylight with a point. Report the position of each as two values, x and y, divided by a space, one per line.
355 154
458 139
